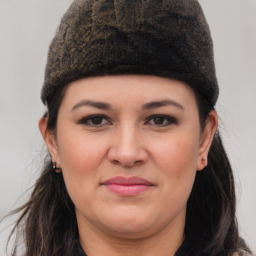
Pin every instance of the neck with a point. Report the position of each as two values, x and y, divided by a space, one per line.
165 243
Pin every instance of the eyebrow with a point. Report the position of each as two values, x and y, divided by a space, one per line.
96 104
161 103
146 106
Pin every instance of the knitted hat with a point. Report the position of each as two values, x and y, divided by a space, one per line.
168 38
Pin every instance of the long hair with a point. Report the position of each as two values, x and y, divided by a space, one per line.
48 223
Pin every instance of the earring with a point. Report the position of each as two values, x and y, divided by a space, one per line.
55 168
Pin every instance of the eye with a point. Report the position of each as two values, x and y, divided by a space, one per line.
94 120
161 120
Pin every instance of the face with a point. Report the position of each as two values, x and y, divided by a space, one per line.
129 147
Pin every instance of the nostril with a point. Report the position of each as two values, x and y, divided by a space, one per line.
138 162
127 163
115 162
127 155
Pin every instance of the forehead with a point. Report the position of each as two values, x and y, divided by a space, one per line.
128 90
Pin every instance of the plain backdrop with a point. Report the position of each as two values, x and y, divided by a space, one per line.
26 29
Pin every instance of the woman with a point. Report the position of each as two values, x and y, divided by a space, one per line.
136 165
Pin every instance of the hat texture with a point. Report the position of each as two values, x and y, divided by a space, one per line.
168 38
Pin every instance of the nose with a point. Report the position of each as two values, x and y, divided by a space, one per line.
127 148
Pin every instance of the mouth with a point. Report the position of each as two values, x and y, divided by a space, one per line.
127 186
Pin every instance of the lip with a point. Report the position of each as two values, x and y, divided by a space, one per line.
127 186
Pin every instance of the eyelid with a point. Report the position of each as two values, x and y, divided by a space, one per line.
171 120
87 118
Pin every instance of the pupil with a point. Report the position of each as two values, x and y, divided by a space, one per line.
97 120
159 120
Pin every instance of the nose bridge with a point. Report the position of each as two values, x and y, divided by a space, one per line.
127 140
127 148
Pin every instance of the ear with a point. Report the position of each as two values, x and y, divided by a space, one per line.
206 139
49 139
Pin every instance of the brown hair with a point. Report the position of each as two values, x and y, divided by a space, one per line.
48 223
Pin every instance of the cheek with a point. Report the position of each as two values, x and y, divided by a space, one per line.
78 153
177 160
80 157
179 155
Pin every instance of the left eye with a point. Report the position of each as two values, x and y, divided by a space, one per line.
95 120
162 120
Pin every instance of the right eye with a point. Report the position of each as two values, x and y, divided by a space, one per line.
94 121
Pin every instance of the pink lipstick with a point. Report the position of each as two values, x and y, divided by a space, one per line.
127 186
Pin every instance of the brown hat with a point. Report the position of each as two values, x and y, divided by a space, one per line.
168 38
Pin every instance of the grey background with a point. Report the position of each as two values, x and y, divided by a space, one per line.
26 29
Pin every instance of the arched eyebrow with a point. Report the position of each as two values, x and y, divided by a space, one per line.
161 103
95 104
146 106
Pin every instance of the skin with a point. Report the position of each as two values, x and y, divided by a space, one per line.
128 141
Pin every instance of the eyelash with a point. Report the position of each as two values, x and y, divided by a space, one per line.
90 118
170 120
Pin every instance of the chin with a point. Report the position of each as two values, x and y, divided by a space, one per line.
129 230
129 223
